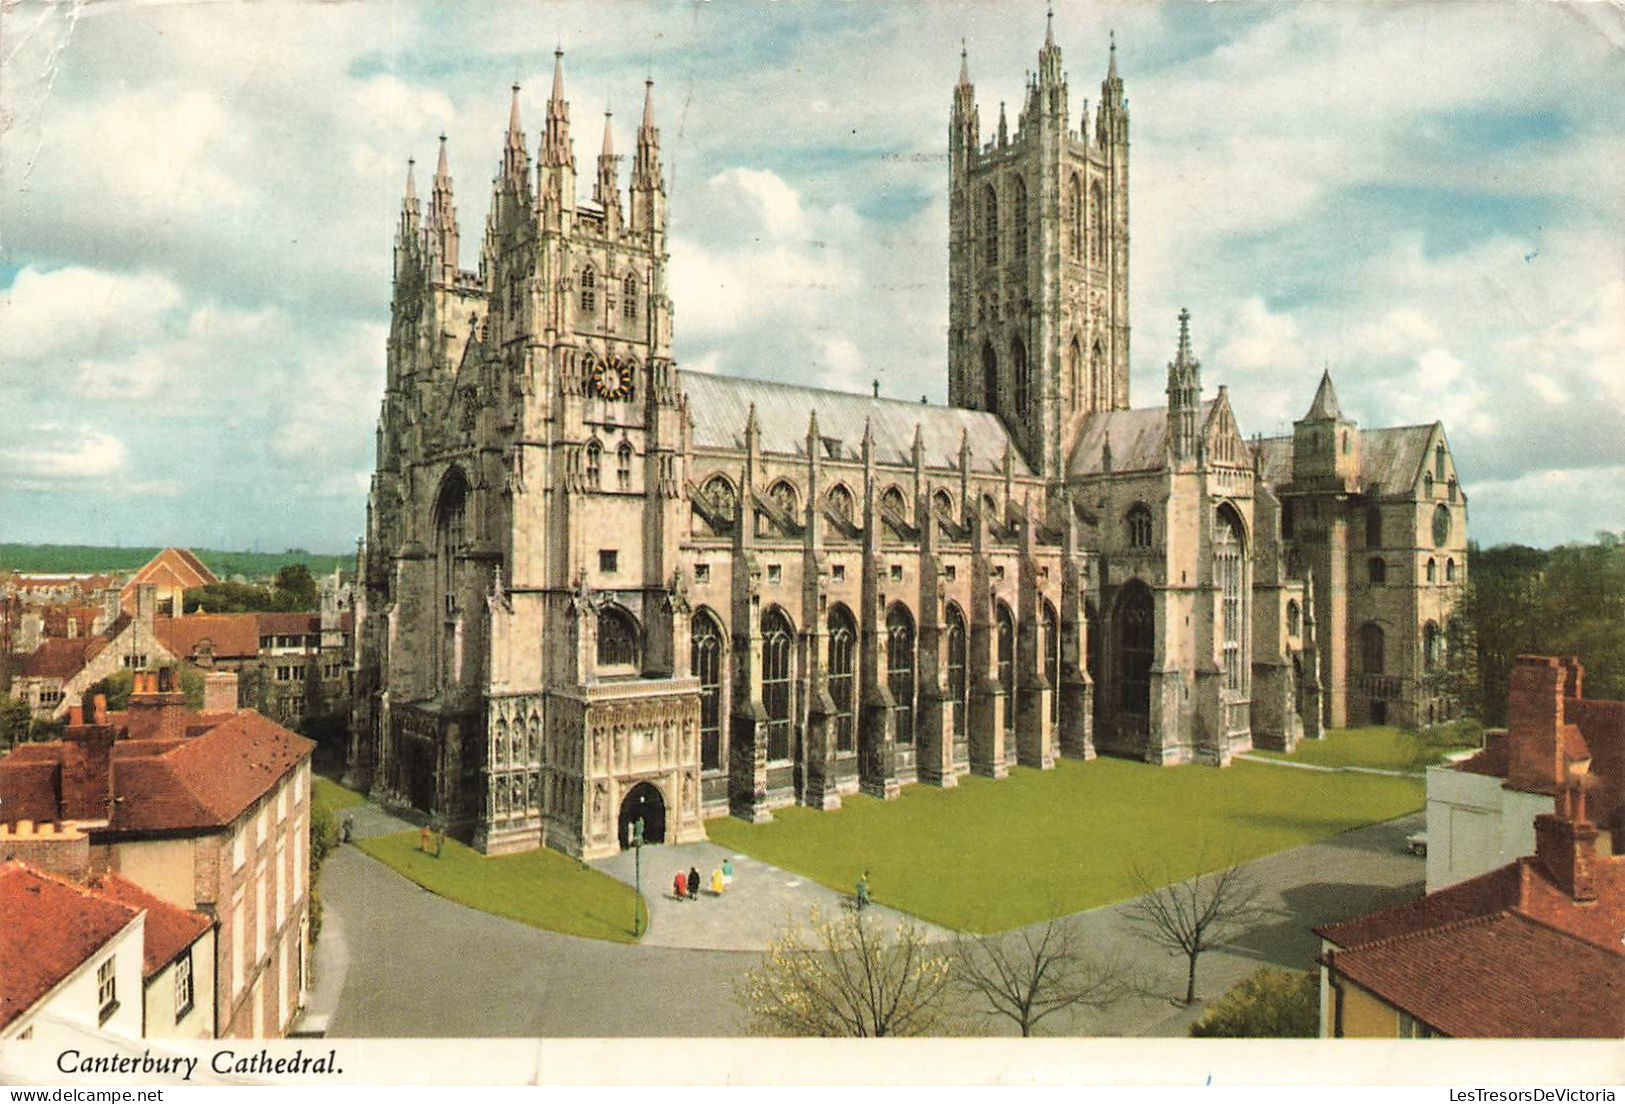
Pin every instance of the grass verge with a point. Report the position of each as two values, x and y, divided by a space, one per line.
332 796
987 856
541 888
1384 747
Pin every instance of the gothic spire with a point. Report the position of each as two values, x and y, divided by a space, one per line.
411 228
608 149
410 199
964 65
1325 408
516 133
1111 66
1049 57
556 147
1049 27
442 226
1184 393
515 159
608 189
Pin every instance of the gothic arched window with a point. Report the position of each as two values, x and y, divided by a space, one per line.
623 466
1097 223
1005 655
784 496
595 464
1229 569
1432 647
843 635
1136 643
1018 220
1450 570
1432 570
1371 648
629 297
957 685
990 377
719 494
1052 660
618 638
900 670
1377 570
1023 376
1097 378
943 502
705 663
892 498
589 289
990 225
778 642
1294 619
1373 528
1074 218
1138 522
841 501
1074 370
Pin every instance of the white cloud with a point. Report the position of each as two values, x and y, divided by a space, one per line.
76 310
59 454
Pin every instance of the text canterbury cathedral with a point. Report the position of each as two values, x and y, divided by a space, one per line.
597 588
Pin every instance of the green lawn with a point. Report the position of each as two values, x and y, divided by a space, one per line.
541 888
1384 747
332 796
986 856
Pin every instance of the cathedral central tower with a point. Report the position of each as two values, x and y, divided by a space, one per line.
1038 261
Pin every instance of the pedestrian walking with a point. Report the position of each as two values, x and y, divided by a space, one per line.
423 839
694 882
863 891
679 885
727 872
717 884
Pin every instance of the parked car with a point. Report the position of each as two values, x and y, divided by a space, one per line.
1417 843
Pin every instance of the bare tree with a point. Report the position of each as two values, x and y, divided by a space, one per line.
1194 915
1030 974
847 976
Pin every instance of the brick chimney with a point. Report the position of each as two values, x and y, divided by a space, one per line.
220 692
87 767
1565 844
157 705
1535 709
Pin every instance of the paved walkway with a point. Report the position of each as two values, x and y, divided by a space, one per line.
1252 758
761 901
409 963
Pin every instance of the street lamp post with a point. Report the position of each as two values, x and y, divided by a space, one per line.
637 877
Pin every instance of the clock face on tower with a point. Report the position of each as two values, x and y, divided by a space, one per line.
612 381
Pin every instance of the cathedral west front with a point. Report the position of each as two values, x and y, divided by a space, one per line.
596 588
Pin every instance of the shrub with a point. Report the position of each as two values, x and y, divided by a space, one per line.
1270 1004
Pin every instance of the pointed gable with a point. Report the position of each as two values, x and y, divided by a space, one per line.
1325 407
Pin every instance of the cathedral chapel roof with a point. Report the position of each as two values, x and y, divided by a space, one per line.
1390 459
1139 440
720 406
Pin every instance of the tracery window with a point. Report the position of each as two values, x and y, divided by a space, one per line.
705 663
1371 648
1136 640
1097 223
1074 206
943 502
778 640
957 685
841 501
1023 376
894 501
1229 565
1294 619
618 638
623 466
990 377
1052 660
900 670
1139 526
1018 230
589 285
1006 665
629 298
595 464
990 225
843 636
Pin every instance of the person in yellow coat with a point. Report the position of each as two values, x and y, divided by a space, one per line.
717 884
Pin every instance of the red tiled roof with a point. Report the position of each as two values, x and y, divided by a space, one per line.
172 567
228 635
63 658
1497 976
60 925
204 779
1480 896
169 929
289 624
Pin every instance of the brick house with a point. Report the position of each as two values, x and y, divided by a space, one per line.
207 810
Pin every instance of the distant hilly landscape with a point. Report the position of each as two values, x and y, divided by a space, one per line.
54 558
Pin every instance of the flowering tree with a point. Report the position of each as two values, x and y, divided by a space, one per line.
847 976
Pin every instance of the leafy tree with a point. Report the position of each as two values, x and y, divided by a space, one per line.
229 598
294 588
1029 975
1269 1004
16 722
1195 915
847 977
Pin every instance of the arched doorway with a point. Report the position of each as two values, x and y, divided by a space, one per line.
643 800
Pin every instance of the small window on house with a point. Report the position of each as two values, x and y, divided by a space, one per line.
838 572
106 992
950 572
702 573
184 993
896 573
608 560
775 573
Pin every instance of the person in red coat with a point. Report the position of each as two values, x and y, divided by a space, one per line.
679 885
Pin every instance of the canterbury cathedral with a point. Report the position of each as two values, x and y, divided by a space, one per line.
598 589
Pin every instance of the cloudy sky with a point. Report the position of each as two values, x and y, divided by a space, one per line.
197 202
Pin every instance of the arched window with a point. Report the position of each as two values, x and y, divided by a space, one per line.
1371 648
1018 229
1373 528
843 634
990 225
1006 665
957 685
1097 223
1052 660
595 464
991 511
900 670
1438 461
1376 570
499 746
1450 489
990 377
1433 570
1294 618
1432 647
589 289
1023 378
778 642
449 537
840 500
943 502
1091 653
1229 568
1441 525
1074 372
892 498
1427 485
785 497
1136 642
705 663
1097 379
618 638
1074 219
1450 570
1138 522
720 494
629 297
623 466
